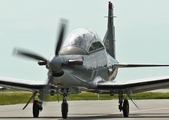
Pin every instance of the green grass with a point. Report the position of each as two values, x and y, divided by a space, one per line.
15 96
144 95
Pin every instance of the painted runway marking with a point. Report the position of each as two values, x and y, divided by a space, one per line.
151 109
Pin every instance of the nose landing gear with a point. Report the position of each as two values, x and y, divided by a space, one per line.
64 110
64 106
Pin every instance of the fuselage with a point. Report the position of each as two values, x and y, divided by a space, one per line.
85 44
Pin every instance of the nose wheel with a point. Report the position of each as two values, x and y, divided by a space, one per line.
64 110
64 106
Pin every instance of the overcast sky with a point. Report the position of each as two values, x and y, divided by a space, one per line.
142 32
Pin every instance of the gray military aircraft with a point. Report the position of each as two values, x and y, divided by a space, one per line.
84 61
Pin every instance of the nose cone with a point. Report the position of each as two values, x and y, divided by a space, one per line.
55 63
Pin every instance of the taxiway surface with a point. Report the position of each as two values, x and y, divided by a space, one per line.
91 110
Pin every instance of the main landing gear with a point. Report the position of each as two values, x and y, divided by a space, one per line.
123 105
64 106
37 106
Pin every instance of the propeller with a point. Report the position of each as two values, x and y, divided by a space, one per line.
30 55
53 64
60 39
34 56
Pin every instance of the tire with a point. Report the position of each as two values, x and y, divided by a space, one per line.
126 108
35 109
64 110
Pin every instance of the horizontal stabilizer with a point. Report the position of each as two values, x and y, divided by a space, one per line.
125 65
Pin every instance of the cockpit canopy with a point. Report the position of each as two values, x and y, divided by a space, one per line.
81 41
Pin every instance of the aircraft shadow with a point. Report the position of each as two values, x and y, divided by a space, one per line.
149 115
95 116
107 116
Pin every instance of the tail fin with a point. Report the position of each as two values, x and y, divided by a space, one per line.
109 39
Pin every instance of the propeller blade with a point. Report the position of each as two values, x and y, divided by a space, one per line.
60 39
28 54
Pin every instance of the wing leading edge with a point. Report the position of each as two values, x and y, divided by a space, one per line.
135 86
21 84
126 65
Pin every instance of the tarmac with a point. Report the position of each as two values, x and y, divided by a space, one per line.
90 110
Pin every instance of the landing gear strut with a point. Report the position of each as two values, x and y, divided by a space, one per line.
123 105
64 107
37 105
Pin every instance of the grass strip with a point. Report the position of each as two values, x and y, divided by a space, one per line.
16 97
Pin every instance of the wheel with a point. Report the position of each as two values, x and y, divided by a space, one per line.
35 109
126 108
64 110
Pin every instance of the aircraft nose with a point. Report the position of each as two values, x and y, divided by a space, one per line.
55 63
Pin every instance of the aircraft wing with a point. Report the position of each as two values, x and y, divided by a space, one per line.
21 84
135 86
126 65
